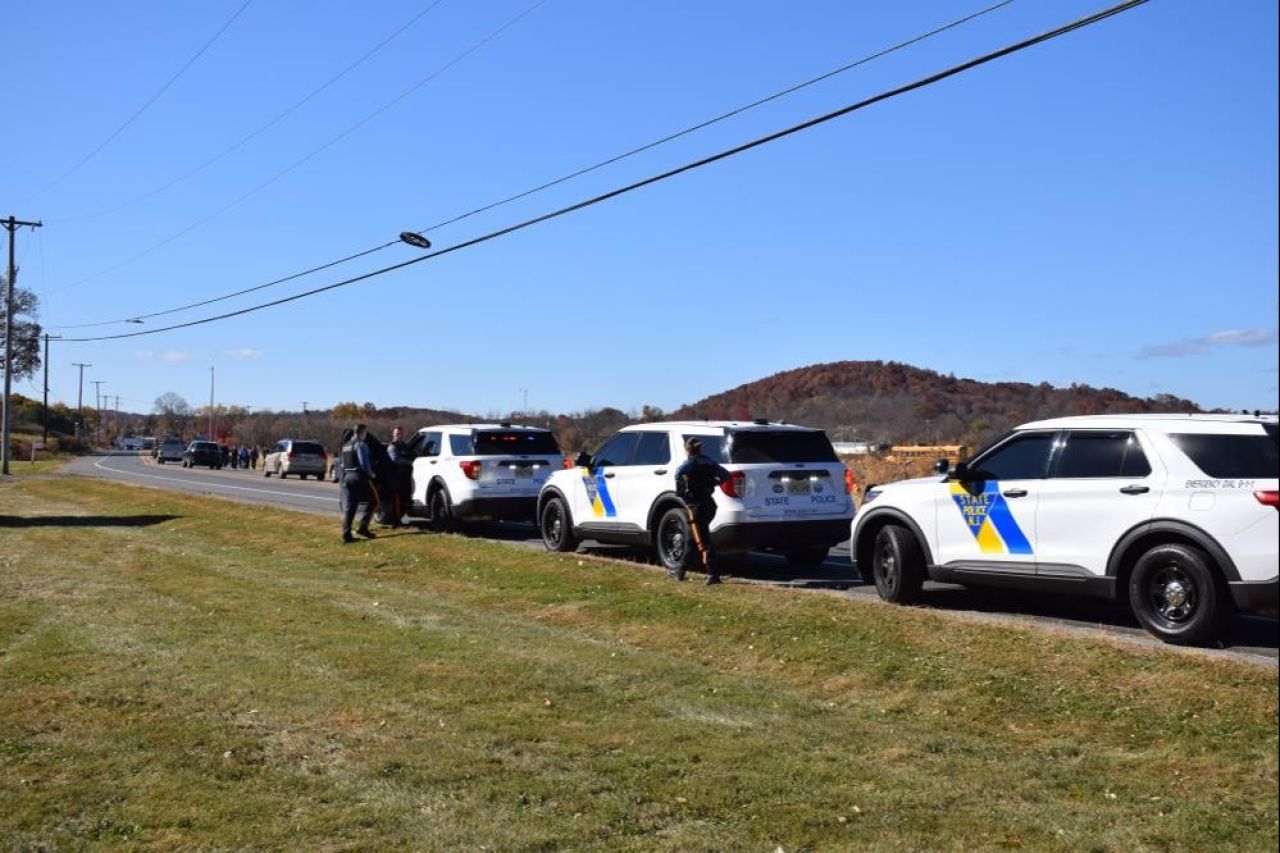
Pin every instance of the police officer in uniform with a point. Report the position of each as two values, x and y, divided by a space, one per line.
696 481
357 484
402 471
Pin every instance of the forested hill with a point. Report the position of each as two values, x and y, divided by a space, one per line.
903 404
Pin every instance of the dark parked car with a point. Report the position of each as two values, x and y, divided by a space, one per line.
202 453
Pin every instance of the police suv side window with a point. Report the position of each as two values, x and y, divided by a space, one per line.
654 448
1024 457
460 445
616 451
1091 454
428 444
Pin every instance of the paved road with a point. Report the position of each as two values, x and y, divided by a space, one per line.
1255 639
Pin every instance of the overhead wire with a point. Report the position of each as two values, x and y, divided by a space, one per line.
147 104
697 164
279 117
314 153
570 176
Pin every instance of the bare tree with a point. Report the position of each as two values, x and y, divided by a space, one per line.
26 331
174 411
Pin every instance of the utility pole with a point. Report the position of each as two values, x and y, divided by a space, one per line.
211 438
97 398
45 407
116 410
11 225
524 410
80 397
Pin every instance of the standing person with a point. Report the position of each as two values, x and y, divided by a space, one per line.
402 466
253 458
244 457
696 481
357 482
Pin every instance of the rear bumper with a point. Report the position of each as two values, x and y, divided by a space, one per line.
1256 596
780 535
497 509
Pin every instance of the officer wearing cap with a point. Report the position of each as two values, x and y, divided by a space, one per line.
357 476
696 481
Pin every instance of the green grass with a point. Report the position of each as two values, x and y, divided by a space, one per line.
234 677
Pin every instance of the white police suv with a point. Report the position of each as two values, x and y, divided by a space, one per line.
788 492
480 472
1176 514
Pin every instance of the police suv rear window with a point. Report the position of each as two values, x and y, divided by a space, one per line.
1252 457
307 447
756 446
514 442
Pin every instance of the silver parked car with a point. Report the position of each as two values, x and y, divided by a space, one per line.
292 456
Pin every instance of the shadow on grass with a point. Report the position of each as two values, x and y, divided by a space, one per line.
85 520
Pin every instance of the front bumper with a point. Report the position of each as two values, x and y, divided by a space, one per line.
497 509
1256 596
780 535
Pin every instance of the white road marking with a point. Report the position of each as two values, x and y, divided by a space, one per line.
211 483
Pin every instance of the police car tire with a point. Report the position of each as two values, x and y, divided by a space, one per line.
1202 609
897 565
441 511
806 558
561 538
675 521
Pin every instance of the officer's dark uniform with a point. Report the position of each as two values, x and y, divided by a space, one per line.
357 472
402 475
696 481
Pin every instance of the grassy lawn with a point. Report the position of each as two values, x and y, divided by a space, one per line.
187 672
44 465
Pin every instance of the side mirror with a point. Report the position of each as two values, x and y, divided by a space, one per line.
582 460
942 466
961 472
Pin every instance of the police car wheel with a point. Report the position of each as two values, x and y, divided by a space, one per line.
897 565
557 527
1177 596
806 558
441 517
674 541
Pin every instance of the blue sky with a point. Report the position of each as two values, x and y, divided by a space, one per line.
1101 209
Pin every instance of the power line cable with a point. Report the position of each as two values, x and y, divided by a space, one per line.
722 117
332 142
685 132
697 164
147 104
236 146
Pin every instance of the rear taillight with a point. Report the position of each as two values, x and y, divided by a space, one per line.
568 463
736 485
849 482
471 470
1271 499
293 455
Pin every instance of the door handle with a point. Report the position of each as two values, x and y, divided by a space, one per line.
610 475
1134 490
660 472
1015 493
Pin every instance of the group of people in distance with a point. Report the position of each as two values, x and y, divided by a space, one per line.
240 457
374 474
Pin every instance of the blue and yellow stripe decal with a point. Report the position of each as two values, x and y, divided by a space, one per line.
598 495
990 520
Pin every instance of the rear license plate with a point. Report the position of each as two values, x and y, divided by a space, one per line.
797 487
524 473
